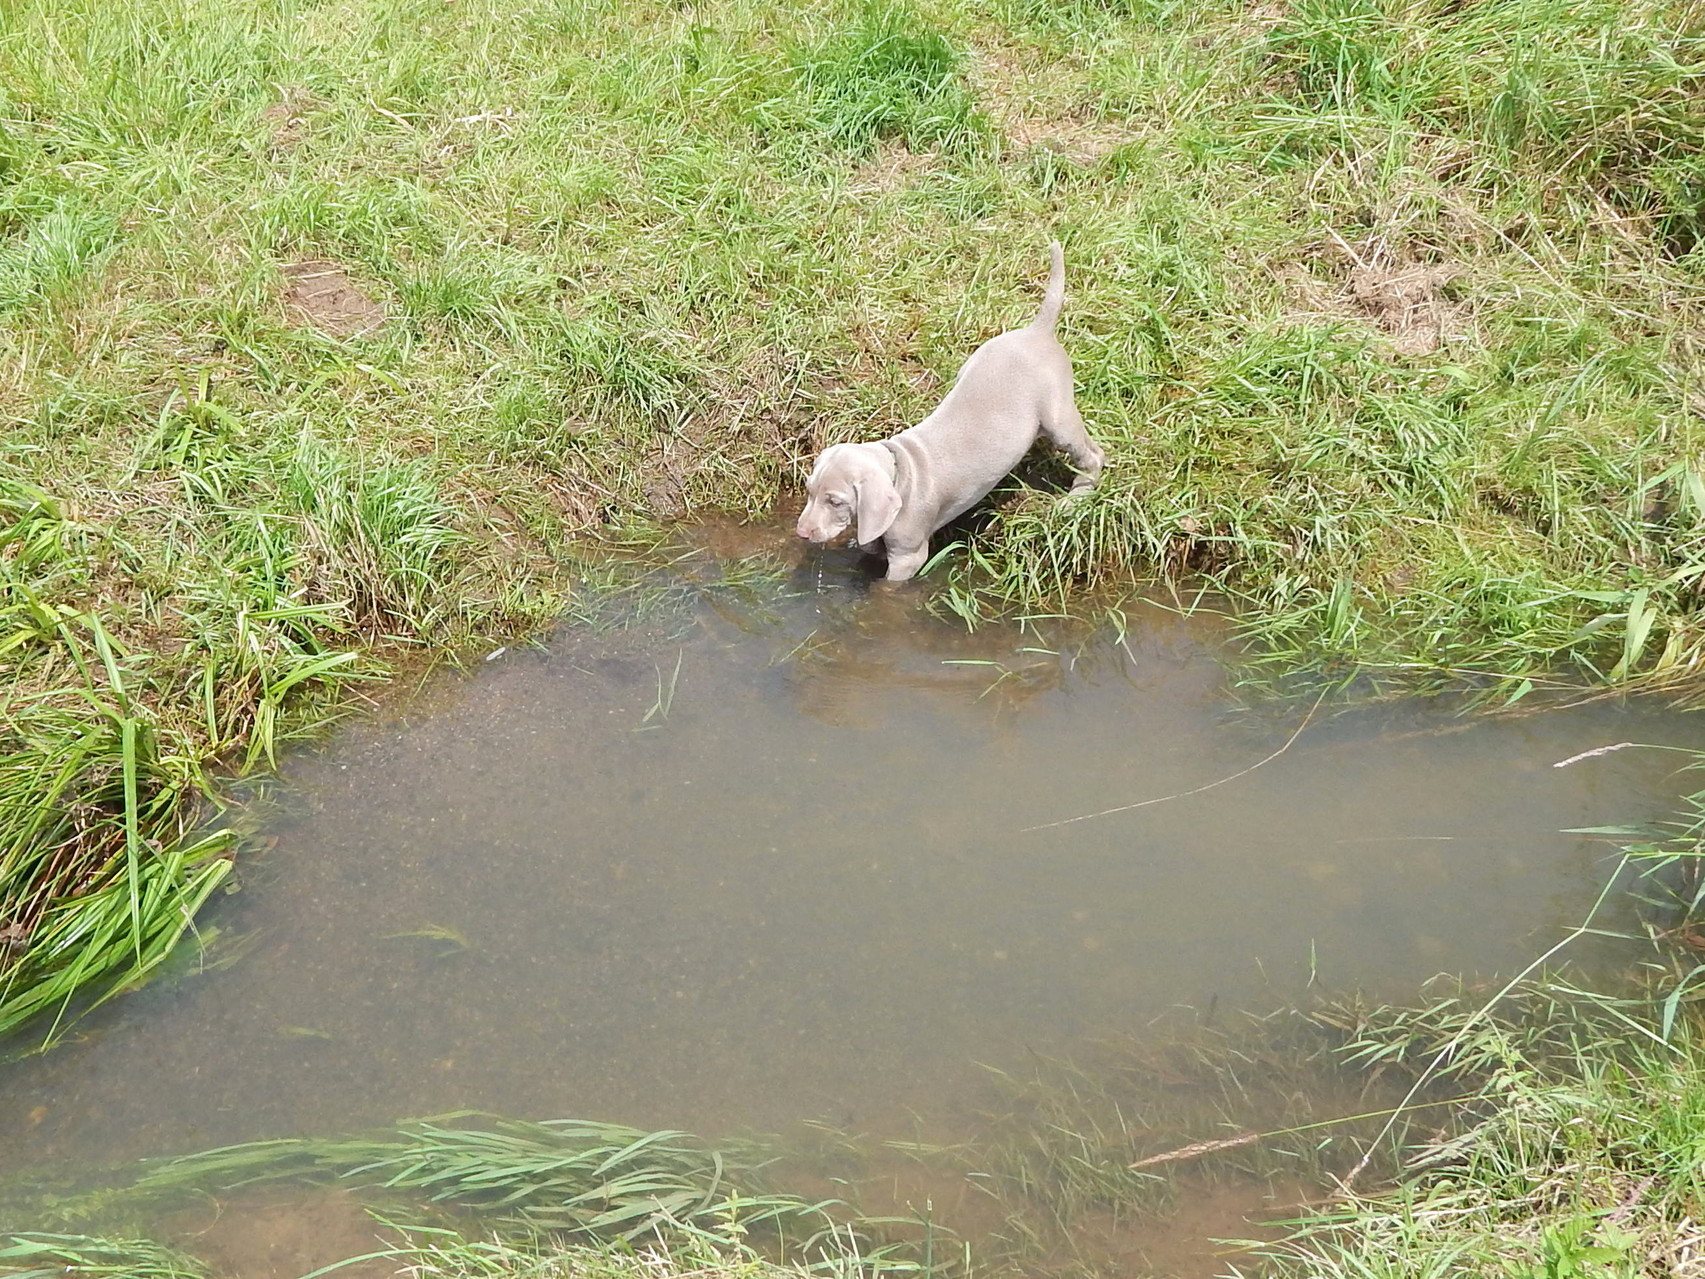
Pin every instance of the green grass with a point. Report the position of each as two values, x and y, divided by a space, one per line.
471 1195
1386 313
1577 1160
442 1253
566 1178
44 1255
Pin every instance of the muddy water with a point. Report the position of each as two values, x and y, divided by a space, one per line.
763 856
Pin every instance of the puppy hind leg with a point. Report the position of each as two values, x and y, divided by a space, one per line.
1063 427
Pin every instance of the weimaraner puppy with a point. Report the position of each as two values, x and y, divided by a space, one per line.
900 490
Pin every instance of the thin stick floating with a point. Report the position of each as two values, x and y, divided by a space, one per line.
1199 1148
1185 794
1599 750
1250 1138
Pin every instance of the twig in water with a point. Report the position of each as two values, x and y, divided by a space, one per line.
1196 1148
1185 794
1601 750
1199 1148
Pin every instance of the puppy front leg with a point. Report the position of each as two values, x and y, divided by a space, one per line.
905 561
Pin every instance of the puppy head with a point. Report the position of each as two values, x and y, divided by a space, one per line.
850 482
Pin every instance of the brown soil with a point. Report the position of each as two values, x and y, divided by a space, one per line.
1026 103
1403 297
892 168
1385 282
670 462
289 118
322 295
1182 1244
281 1235
1079 137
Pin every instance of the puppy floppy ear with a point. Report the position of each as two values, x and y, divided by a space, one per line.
878 503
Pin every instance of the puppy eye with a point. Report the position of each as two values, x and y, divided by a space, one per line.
835 500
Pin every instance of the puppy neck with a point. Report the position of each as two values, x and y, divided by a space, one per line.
892 453
903 456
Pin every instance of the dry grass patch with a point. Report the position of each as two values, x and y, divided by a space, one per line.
1388 283
1036 104
288 119
322 295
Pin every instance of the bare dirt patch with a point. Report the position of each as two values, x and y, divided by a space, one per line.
669 461
1403 297
1042 107
1387 282
289 118
1078 136
893 167
282 1235
322 295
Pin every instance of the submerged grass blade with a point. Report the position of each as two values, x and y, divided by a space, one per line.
64 1256
132 834
572 1177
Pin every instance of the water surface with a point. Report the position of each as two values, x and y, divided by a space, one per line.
771 855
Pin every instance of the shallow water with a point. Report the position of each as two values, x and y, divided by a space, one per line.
813 887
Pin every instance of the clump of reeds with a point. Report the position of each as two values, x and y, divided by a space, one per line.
1574 1155
44 1255
565 1177
473 1194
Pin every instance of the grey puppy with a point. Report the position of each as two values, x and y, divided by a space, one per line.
900 490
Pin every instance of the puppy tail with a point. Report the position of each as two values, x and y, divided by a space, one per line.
1056 294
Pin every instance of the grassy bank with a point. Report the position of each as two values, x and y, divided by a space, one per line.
330 329
1578 1156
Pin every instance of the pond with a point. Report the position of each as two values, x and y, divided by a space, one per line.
767 853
